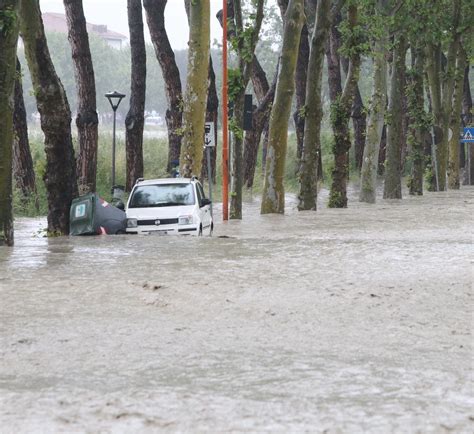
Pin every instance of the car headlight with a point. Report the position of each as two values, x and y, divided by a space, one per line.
132 223
185 220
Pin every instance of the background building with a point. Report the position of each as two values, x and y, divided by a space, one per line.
55 22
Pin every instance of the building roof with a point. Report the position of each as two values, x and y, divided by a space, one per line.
55 22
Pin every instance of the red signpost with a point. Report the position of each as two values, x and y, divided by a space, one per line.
225 135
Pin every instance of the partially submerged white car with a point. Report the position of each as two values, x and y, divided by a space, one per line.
169 206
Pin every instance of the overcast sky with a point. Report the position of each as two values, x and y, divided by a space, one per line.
114 14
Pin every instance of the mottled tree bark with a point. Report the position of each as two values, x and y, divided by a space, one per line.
135 119
334 60
441 80
23 170
359 121
8 44
314 110
300 90
455 121
195 99
260 116
417 129
340 114
259 80
245 49
368 176
60 175
87 120
393 176
300 81
155 13
273 198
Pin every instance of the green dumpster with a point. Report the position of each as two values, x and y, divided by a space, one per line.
92 215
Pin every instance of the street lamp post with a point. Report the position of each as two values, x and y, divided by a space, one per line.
114 99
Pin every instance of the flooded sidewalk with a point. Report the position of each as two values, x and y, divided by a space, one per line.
355 320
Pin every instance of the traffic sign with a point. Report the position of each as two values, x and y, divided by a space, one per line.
468 135
209 135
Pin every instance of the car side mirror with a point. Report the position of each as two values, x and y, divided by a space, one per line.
120 205
205 202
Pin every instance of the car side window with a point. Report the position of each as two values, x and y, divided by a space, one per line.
202 191
200 194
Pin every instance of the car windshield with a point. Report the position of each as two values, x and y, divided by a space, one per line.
162 195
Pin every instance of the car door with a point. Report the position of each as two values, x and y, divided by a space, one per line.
205 211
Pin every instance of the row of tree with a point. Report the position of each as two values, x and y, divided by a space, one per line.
419 51
65 176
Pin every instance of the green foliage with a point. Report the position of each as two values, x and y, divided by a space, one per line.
237 130
430 176
155 155
355 39
243 40
340 113
419 118
235 84
112 72
336 200
8 18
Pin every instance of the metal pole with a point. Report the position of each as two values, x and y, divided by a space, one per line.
209 175
468 145
225 149
435 162
113 154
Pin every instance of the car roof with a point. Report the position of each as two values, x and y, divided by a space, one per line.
166 181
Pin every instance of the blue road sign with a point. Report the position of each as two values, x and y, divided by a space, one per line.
468 135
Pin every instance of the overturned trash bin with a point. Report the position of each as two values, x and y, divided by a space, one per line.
92 215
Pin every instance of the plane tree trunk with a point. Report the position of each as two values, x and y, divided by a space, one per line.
455 121
340 115
273 199
333 59
195 99
8 44
359 121
418 121
441 82
87 120
393 176
245 41
300 91
313 110
155 14
23 170
135 118
375 127
60 175
260 116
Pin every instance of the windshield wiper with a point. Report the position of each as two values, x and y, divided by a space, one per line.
172 204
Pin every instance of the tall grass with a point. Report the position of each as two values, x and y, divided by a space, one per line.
155 155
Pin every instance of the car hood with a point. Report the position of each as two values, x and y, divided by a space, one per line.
165 212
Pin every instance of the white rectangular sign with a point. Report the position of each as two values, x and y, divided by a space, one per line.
209 135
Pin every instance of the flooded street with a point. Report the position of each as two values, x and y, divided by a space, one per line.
356 320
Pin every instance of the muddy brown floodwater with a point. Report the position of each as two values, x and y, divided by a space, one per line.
355 320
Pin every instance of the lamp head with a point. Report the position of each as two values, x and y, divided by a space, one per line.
114 98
